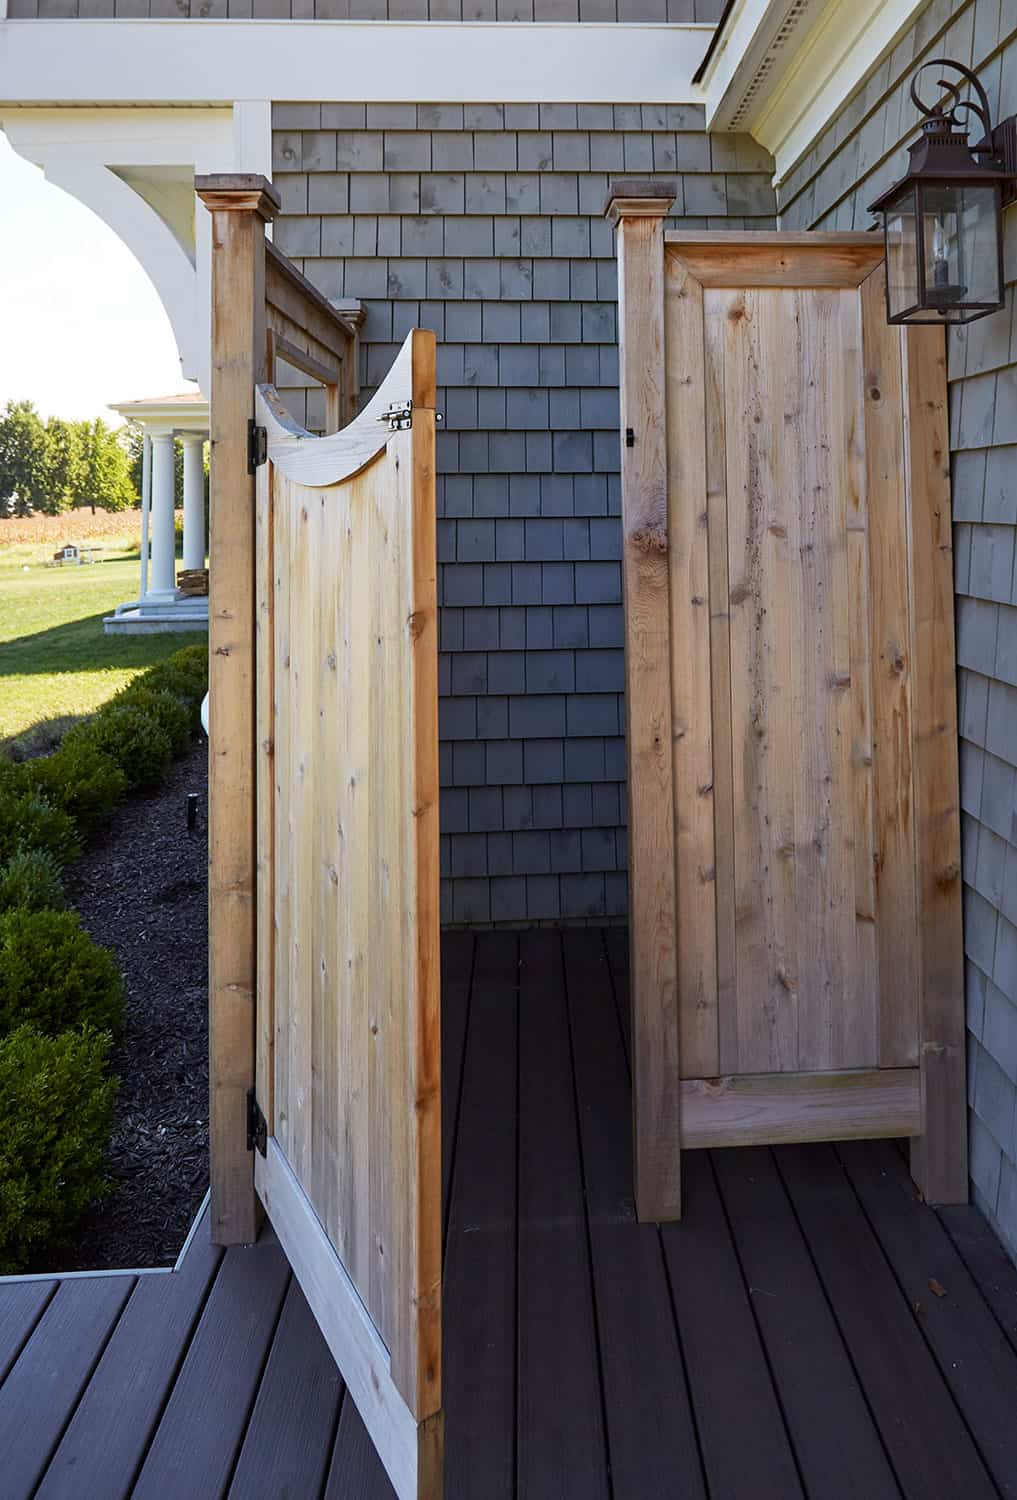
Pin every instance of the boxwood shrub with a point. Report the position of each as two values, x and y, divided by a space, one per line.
30 881
81 779
132 738
56 1113
29 821
52 974
170 712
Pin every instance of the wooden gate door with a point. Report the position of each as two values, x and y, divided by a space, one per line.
805 611
348 1061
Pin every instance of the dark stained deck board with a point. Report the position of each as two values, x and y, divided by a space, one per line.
977 1362
598 1357
651 1434
561 1439
106 1439
479 1362
197 1441
288 1446
746 1450
45 1384
811 1366
992 1269
929 1445
22 1304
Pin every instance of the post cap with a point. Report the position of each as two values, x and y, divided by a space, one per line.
640 198
238 192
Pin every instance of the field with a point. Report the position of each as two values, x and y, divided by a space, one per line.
55 662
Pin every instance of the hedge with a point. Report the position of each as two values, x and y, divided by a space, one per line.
52 975
30 881
56 1114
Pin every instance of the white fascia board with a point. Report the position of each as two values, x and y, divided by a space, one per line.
211 61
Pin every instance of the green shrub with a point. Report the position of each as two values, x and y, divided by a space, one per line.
56 1114
28 821
52 975
184 684
30 881
170 712
193 659
130 737
81 779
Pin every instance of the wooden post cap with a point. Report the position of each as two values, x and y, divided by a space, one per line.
640 198
238 192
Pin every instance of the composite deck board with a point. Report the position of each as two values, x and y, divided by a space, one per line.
561 1439
288 1446
994 1272
196 1444
650 1431
22 1304
977 1362
106 1440
616 945
811 1366
754 1350
480 1265
933 1454
746 1450
46 1382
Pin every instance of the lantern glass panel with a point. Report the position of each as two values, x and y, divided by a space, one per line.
901 228
960 249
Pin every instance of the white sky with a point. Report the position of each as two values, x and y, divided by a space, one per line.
80 322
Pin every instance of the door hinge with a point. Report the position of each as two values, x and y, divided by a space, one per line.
398 415
257 1126
257 445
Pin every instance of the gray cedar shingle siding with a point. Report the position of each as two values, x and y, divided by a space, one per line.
485 223
378 10
860 153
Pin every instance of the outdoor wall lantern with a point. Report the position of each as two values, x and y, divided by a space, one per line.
943 222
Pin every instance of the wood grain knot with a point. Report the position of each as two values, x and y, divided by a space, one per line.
650 539
948 875
416 623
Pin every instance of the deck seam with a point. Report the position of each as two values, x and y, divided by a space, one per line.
457 1113
256 1388
516 992
918 1323
1007 1333
34 1325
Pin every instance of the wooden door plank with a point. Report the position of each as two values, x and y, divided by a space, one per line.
480 1266
21 1306
266 712
645 578
836 1443
988 1262
977 1362
45 1384
939 1158
203 1424
651 1435
559 1398
107 1437
283 827
744 1443
889 588
303 818
288 1444
329 1146
927 1441
690 672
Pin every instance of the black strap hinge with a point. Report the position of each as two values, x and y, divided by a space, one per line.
257 1126
257 445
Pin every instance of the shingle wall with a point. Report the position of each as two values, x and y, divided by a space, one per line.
378 10
862 152
486 224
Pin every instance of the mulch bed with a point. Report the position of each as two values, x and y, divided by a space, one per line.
141 890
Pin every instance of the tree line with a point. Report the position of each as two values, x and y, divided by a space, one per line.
52 466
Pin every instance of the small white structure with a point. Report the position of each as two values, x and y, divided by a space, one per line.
160 606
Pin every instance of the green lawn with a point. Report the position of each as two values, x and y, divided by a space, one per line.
55 661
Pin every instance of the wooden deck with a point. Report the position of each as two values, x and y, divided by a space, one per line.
809 1329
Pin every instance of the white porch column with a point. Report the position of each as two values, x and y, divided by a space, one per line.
146 507
194 500
163 582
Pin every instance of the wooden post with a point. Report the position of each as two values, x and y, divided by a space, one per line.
939 1158
240 205
638 209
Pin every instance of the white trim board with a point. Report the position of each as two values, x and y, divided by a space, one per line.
211 61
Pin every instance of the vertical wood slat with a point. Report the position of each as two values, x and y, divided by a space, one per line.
638 210
691 677
891 677
265 713
939 1155
240 207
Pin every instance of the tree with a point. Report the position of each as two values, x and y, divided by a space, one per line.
106 480
63 465
22 459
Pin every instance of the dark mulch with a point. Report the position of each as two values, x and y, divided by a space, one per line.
141 890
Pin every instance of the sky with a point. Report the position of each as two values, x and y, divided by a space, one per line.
80 322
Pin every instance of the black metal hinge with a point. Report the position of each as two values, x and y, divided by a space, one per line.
257 445
257 1126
